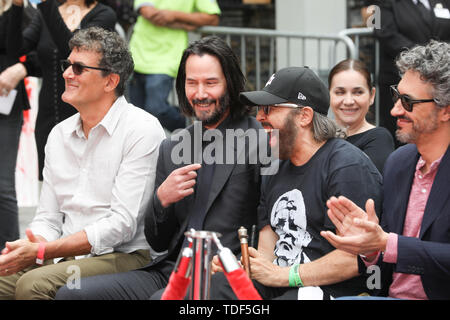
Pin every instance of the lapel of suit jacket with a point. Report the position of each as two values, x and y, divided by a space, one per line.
223 171
440 192
403 189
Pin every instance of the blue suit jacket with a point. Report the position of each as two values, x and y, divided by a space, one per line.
428 255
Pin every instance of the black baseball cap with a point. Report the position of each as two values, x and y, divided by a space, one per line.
299 85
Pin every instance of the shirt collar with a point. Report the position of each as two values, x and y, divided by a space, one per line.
426 3
109 121
421 163
225 124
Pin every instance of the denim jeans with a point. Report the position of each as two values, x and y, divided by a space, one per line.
150 92
10 128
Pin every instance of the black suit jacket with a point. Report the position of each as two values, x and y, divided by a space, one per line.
428 255
402 26
232 202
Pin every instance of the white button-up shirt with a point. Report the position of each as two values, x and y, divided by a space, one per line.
101 184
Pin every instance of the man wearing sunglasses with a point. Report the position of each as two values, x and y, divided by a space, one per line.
98 177
293 261
412 243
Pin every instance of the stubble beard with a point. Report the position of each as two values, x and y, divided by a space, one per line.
212 118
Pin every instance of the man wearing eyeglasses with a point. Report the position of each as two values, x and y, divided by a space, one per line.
293 261
98 178
412 243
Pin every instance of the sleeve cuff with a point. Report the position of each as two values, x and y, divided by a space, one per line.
145 4
92 235
45 233
157 206
372 262
391 253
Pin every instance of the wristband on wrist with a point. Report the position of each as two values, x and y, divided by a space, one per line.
40 253
294 277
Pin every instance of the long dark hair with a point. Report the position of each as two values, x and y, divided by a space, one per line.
218 48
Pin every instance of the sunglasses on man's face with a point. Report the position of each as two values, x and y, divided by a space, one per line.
266 109
77 67
407 102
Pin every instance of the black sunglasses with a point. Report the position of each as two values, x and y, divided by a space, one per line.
266 109
407 102
77 67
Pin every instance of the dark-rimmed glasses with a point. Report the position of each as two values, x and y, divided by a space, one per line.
407 102
266 109
77 67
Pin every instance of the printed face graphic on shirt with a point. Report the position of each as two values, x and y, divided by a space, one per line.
288 217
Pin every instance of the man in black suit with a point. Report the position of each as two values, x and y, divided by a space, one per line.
404 24
199 184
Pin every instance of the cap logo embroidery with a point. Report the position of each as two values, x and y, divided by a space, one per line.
270 80
301 96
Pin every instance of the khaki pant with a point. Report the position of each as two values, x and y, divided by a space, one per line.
42 282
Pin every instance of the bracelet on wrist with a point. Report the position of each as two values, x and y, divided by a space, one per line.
294 277
370 255
40 253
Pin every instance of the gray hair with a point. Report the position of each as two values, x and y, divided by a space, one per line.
325 128
116 57
432 63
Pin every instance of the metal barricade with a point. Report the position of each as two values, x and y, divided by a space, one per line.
285 40
259 62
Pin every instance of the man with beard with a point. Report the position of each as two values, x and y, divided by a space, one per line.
293 261
215 196
412 245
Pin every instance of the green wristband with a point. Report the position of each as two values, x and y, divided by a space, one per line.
294 277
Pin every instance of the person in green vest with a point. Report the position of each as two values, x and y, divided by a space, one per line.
157 43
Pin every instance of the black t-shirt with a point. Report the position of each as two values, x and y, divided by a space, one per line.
293 202
377 143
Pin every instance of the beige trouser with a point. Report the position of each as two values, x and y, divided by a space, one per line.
42 282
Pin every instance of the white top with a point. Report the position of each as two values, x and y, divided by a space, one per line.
102 184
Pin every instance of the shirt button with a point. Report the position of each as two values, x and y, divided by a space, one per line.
424 190
420 176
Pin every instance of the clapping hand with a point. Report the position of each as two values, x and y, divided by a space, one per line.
18 255
358 231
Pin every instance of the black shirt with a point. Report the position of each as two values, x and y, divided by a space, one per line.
293 202
377 143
